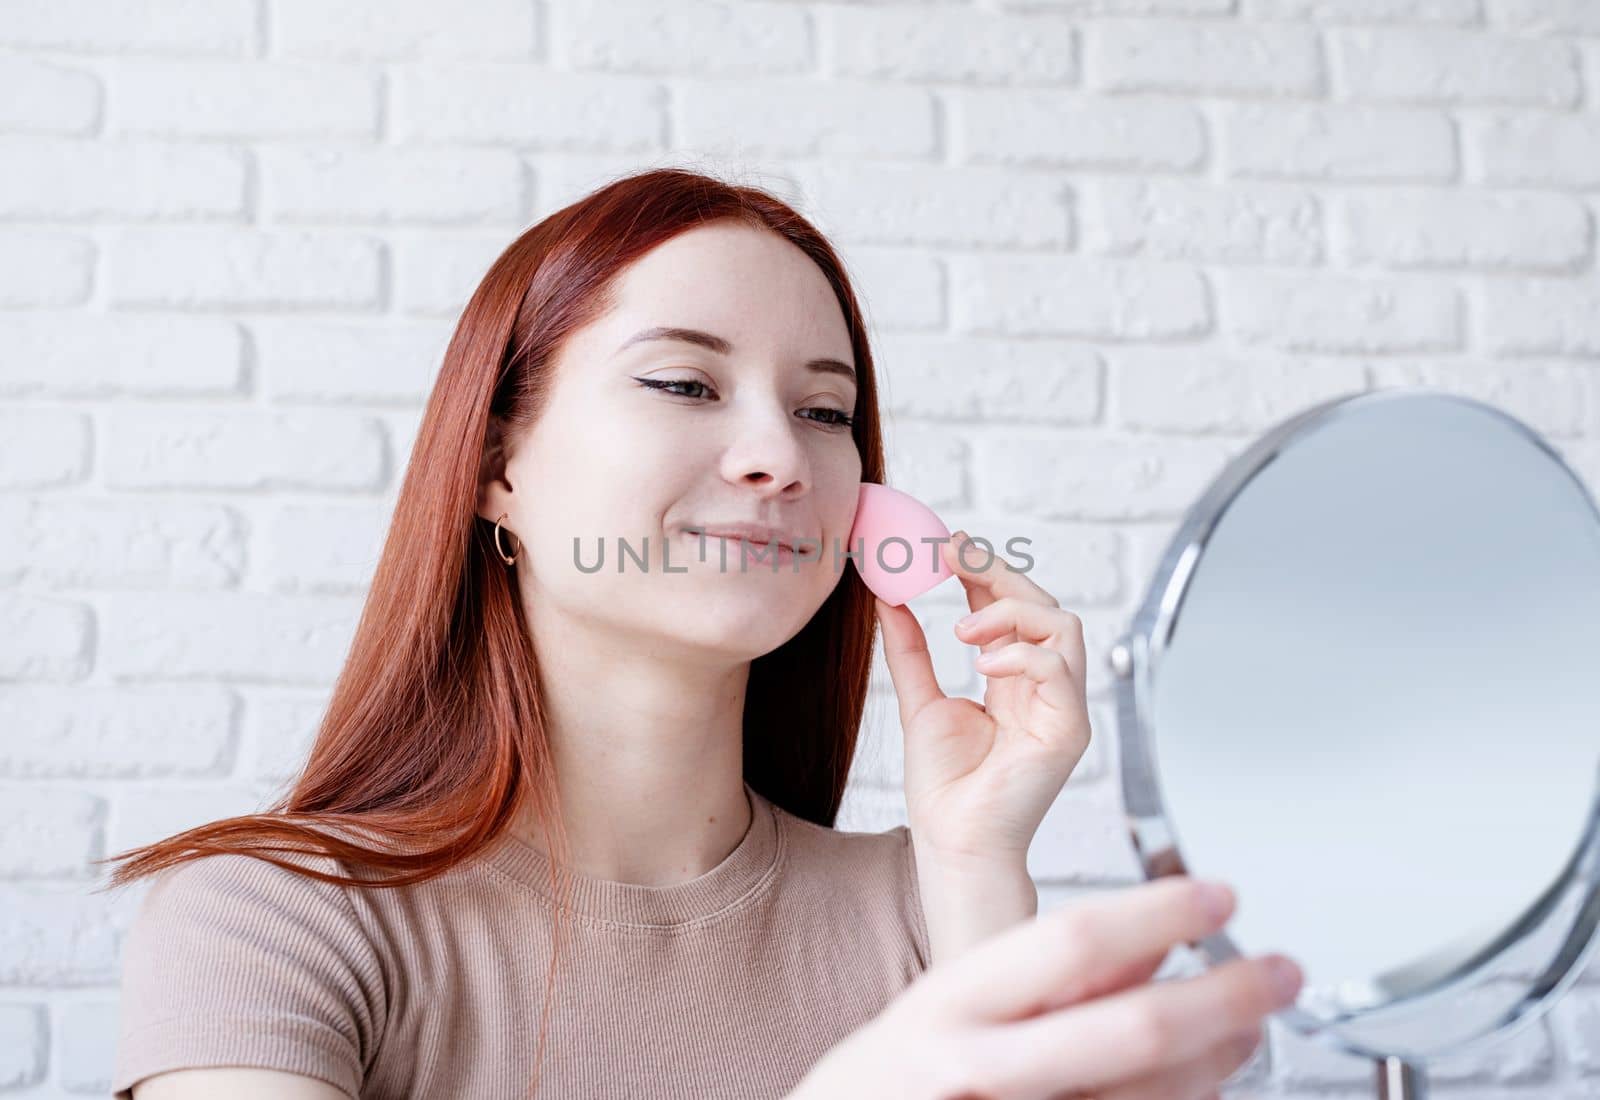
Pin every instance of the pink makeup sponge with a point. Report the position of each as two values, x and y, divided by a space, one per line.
884 513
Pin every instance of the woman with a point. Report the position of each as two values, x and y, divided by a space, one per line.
625 775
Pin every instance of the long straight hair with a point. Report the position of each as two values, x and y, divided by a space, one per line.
434 739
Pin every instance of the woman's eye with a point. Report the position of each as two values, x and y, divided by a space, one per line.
835 417
668 383
839 419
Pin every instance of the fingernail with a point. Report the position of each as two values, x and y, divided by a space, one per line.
967 620
1217 899
1286 978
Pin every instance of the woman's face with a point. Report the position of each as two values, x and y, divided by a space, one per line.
749 430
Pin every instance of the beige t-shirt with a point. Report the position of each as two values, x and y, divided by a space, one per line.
730 985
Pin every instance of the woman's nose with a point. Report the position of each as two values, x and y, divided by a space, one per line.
768 457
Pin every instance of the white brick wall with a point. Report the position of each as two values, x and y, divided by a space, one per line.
1102 244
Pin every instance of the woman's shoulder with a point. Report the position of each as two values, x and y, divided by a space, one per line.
867 849
862 868
274 890
232 959
870 830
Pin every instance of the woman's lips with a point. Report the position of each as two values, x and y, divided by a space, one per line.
759 553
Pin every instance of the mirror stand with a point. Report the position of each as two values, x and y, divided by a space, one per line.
1399 1079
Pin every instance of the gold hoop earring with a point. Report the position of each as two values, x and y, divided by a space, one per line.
512 560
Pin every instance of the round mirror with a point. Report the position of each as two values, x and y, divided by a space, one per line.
1361 690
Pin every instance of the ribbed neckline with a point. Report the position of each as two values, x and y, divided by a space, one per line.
750 865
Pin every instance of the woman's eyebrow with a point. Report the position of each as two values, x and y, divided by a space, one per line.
723 347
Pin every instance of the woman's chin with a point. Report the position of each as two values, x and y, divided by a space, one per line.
744 627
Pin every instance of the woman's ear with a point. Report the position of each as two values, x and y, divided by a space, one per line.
494 488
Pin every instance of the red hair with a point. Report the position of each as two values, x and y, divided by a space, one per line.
434 738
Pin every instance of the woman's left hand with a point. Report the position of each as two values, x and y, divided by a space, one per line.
979 778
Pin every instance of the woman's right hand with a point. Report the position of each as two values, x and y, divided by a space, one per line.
1062 1004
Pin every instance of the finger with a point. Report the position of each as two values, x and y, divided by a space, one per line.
1045 667
984 573
1154 1028
1197 1077
905 650
978 596
1054 627
1126 976
1061 955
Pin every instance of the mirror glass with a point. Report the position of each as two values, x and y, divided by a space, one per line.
1367 695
